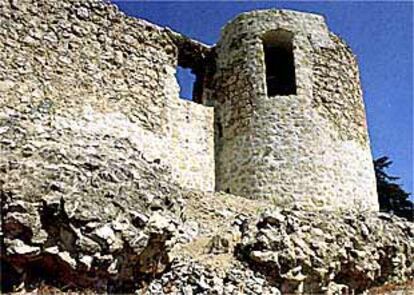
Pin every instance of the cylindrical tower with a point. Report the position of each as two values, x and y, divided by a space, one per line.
289 115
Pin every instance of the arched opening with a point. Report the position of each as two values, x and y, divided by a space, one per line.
279 63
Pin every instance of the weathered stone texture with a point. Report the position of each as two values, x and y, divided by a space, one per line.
127 247
322 252
311 145
337 91
74 61
106 176
88 58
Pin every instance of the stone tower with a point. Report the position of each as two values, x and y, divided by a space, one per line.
289 116
287 122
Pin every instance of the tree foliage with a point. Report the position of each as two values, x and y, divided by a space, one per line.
392 198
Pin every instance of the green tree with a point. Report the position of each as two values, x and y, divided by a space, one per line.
391 197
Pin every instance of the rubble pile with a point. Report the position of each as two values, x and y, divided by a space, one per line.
317 251
93 158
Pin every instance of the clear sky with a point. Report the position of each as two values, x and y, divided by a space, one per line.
379 33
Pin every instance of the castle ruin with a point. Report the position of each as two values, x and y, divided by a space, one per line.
277 107
289 114
280 113
110 181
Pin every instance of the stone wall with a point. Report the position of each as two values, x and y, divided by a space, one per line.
313 144
83 66
104 170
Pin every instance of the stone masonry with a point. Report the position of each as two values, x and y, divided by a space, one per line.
312 144
110 183
75 74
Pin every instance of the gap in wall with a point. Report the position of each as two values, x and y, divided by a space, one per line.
186 80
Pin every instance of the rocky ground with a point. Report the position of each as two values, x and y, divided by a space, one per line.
84 209
201 244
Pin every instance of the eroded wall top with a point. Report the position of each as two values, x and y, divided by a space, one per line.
80 80
85 72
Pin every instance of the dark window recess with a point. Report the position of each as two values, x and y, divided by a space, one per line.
219 130
279 62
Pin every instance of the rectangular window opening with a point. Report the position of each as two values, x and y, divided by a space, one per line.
279 63
186 80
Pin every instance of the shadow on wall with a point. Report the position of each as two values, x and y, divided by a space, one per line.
279 61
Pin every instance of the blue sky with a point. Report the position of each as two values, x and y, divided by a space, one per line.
380 34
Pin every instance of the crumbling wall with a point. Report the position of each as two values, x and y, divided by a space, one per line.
97 152
293 147
68 65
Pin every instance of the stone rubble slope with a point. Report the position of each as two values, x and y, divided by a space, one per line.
317 251
84 207
190 277
278 250
82 198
